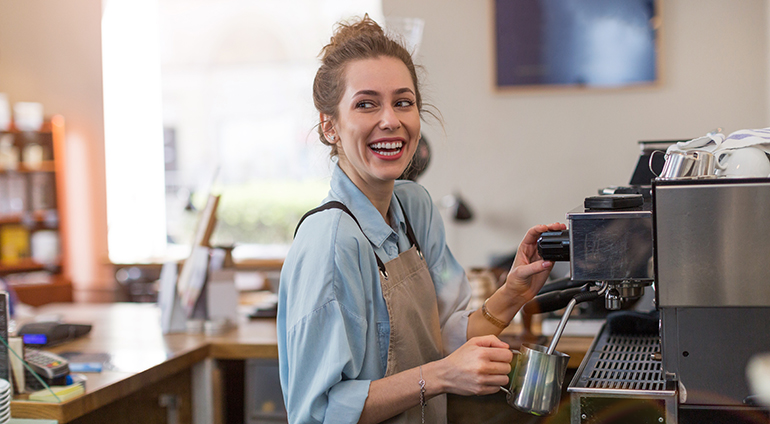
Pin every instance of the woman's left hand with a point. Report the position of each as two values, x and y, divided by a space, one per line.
529 271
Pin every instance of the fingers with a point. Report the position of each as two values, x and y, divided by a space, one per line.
489 341
497 356
557 226
493 385
492 370
483 358
523 272
493 349
534 233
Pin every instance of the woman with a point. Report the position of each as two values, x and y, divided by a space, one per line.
372 323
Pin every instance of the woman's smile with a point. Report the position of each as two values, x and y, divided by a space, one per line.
390 149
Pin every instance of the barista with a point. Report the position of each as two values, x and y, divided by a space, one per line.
372 320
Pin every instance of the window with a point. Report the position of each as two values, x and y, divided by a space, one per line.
216 98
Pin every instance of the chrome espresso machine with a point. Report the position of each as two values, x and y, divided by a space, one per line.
703 246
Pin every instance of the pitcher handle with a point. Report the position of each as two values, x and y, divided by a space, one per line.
510 375
649 163
718 159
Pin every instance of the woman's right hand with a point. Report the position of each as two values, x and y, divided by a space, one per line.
479 367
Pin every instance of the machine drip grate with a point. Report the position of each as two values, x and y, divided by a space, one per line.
625 362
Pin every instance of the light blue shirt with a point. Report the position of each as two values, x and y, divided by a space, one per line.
333 325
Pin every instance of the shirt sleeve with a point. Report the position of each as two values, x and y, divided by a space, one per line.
323 363
323 329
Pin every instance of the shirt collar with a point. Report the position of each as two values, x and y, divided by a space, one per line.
372 224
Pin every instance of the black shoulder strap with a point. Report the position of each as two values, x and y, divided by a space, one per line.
409 232
330 205
339 205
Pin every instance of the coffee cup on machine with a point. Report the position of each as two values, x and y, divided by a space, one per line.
536 379
743 162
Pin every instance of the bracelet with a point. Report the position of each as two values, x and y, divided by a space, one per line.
422 395
491 318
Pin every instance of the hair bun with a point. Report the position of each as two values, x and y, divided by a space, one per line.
348 31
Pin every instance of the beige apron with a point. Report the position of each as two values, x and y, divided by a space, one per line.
415 332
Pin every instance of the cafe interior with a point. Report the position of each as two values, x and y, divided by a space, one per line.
156 156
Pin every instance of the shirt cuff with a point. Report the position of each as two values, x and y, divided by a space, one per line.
455 332
346 401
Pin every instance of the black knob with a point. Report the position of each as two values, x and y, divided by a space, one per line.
554 245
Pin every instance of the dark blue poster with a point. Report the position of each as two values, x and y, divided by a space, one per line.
592 43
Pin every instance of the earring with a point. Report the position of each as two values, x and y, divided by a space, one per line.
332 137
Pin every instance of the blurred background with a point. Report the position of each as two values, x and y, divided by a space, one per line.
166 101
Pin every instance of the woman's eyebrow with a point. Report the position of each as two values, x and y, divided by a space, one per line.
366 93
376 93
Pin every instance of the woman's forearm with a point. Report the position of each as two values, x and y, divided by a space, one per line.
397 393
502 306
479 367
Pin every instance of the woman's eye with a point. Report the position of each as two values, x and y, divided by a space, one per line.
404 103
365 104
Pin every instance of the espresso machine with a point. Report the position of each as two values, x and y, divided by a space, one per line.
703 246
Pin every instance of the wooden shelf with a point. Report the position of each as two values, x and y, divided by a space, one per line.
38 217
45 166
40 191
24 265
47 128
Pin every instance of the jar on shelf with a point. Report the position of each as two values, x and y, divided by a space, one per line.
483 285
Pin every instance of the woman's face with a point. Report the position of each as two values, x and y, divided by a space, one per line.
378 124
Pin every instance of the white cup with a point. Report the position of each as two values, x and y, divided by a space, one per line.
32 155
28 116
744 162
45 246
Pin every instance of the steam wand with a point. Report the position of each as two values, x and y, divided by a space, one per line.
578 298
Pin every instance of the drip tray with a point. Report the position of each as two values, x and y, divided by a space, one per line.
624 362
619 374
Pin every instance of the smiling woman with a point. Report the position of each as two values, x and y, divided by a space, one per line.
372 314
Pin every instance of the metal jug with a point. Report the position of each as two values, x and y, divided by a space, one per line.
687 164
536 379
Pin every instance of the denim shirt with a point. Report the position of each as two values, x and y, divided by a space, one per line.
333 326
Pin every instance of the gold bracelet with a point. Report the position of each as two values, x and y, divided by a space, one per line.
491 318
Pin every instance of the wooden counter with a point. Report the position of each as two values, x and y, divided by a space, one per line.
149 366
142 356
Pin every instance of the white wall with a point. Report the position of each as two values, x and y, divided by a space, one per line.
526 158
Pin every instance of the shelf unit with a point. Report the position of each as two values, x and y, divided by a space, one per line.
32 213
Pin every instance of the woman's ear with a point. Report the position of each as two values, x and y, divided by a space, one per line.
328 129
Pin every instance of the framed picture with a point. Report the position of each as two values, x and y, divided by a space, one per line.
576 43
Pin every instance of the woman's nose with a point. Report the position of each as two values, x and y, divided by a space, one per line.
389 120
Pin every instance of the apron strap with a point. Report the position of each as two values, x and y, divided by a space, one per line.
409 232
339 205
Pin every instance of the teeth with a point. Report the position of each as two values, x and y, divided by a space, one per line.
387 145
